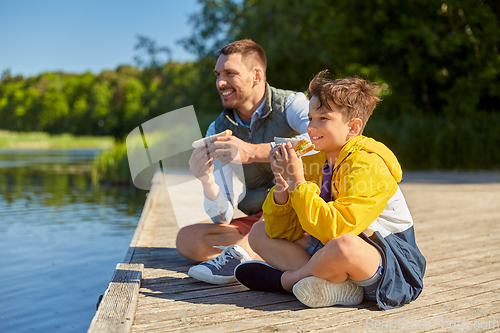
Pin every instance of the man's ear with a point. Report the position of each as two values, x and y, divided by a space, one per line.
355 127
258 75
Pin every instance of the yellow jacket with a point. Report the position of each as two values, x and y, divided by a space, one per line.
365 177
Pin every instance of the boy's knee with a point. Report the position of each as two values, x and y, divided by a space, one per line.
343 247
256 234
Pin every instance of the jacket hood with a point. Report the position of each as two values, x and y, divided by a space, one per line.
372 146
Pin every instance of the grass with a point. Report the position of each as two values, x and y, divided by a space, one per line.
41 140
112 166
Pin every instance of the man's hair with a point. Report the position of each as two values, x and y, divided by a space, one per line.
357 98
247 48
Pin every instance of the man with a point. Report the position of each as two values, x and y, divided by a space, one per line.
256 113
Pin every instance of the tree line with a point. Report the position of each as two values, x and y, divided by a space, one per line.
438 64
109 103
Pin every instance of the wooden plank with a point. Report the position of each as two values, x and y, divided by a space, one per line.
462 275
117 308
478 318
138 230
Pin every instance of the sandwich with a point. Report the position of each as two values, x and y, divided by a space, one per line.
211 138
301 146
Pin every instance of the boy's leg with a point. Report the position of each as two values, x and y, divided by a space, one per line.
347 256
279 253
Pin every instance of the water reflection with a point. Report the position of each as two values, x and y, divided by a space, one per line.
60 238
58 178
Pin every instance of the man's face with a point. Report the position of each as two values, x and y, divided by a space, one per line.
235 81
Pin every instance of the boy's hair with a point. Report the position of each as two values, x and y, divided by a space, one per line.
247 48
355 97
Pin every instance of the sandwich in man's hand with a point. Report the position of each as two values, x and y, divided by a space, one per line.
211 138
301 146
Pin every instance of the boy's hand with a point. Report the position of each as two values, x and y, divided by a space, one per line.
281 184
281 189
289 165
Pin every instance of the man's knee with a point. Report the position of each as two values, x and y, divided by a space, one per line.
196 241
185 240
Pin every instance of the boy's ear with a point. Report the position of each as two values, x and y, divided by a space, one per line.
355 126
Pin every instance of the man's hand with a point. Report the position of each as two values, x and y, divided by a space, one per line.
231 149
201 166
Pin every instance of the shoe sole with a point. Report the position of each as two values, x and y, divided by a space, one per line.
211 279
316 293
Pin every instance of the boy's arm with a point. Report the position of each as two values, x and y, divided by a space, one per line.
362 196
281 221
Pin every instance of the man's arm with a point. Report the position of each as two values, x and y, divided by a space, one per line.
217 183
230 149
297 112
227 148
221 208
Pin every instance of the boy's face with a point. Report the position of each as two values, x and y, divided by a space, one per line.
328 130
234 81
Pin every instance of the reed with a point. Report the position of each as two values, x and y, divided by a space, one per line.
112 166
42 140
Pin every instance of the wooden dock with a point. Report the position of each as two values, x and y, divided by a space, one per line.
457 222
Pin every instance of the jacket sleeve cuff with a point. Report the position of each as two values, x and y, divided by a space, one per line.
303 188
272 208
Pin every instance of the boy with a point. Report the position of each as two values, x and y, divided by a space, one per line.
350 239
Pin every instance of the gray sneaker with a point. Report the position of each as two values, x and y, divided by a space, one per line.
220 270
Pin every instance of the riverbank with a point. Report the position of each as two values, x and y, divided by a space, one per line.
42 140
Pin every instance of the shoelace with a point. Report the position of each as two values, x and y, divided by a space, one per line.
226 254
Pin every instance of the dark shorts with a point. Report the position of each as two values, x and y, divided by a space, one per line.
370 285
244 224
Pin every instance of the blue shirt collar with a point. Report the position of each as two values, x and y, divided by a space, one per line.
256 115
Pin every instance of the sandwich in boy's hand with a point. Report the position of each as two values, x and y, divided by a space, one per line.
208 139
301 146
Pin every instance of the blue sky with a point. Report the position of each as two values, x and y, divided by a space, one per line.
79 35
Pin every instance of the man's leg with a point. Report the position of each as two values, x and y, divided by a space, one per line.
221 247
197 241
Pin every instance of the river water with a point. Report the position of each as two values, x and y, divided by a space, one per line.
60 238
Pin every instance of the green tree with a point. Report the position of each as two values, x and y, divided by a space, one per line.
435 58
